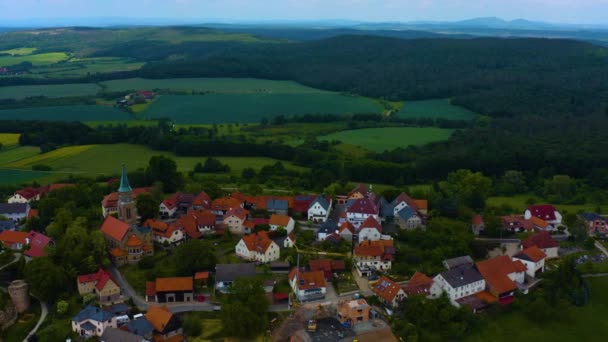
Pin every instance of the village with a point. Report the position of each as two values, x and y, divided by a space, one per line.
328 261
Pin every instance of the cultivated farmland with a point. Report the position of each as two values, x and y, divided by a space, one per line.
38 59
13 177
65 113
246 108
388 138
53 91
85 66
19 51
435 109
9 139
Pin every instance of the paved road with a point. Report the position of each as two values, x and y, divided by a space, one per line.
15 259
127 290
43 313
595 275
601 248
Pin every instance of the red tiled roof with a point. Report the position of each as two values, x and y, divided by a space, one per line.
225 203
419 284
259 242
347 226
118 252
371 222
302 203
363 206
150 288
403 197
496 270
386 289
9 238
545 212
114 228
174 284
159 317
37 244
237 212
134 241
201 275
202 200
279 220
308 280
540 223
111 200
189 225
360 188
33 213
477 220
369 251
542 240
515 222
28 193
533 253
421 204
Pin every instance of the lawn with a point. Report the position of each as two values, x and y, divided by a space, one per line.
518 203
66 113
587 323
37 59
439 108
52 91
106 159
388 138
252 107
9 139
216 85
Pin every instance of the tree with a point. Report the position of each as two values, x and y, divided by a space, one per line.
512 182
560 188
471 188
163 169
60 223
62 307
248 173
46 279
194 256
80 251
147 206
247 301
192 326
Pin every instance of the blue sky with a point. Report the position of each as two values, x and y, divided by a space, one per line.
568 11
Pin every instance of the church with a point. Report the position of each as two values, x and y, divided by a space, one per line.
127 242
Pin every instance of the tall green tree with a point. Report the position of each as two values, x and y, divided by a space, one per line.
147 206
163 169
46 279
248 302
193 256
471 188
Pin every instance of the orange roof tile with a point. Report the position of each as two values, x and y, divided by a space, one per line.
486 297
419 284
33 213
347 226
238 212
114 228
134 241
533 253
225 203
174 284
386 289
308 280
421 204
158 317
369 251
10 238
201 275
539 222
279 220
259 242
496 270
118 252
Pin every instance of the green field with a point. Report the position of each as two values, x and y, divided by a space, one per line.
38 59
19 51
9 139
59 90
216 85
66 113
518 203
12 155
440 108
92 160
588 323
9 176
242 108
388 138
85 66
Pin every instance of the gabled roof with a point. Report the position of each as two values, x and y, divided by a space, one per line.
363 206
323 202
202 200
230 272
28 193
188 224
37 244
386 208
301 203
386 289
545 211
360 188
203 217
114 228
419 284
101 277
461 275
516 221
279 220
140 327
159 317
92 313
13 208
533 254
258 242
9 237
403 197
174 284
237 212
308 280
421 204
540 223
458 261
225 203
347 226
592 217
134 241
542 240
369 250
496 272
371 223
406 213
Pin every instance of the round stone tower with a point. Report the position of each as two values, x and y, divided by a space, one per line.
20 295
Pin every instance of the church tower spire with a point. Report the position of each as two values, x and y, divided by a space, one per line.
127 212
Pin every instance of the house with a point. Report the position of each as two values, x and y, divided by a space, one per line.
370 229
457 262
140 327
418 285
401 202
307 286
409 219
546 213
37 244
596 224
545 242
170 290
114 334
319 209
387 211
234 220
282 221
13 240
346 231
92 321
516 224
477 224
109 204
201 278
258 247
360 209
8 225
221 206
167 326
458 282
126 244
502 275
372 256
165 234
146 94
226 274
534 259
389 292
287 241
328 267
180 203
353 312
277 206
539 224
26 195
360 191
197 223
102 285
202 201
301 203
14 211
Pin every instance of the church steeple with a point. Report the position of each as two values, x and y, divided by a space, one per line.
127 211
124 180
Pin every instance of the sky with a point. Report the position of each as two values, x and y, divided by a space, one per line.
562 11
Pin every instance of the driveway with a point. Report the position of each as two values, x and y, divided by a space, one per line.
363 284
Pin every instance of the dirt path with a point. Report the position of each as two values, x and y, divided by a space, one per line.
43 313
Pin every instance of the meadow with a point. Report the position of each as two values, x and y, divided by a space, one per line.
19 51
93 160
9 139
85 66
51 91
586 323
66 113
518 203
388 138
435 109
37 59
247 108
217 85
